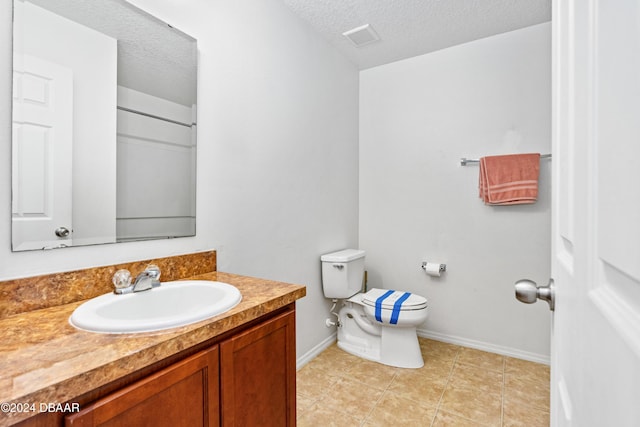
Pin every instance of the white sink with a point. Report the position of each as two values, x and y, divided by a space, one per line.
172 304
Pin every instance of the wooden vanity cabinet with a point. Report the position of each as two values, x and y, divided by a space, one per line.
245 380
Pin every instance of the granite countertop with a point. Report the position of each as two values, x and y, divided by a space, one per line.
44 359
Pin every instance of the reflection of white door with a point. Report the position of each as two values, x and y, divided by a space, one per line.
596 214
42 153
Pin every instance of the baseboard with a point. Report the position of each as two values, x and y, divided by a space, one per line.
479 345
311 354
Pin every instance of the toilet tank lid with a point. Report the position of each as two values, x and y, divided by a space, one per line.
345 255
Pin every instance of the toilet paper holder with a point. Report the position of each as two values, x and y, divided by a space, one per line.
443 267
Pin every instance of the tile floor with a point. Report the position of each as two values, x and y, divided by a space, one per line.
458 386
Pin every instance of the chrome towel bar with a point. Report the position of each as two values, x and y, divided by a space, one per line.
464 161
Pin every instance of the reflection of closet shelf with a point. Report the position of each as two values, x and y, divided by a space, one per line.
129 110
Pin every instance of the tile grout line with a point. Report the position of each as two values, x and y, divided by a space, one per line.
453 365
379 399
504 379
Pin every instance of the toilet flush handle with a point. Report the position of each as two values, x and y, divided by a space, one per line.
338 266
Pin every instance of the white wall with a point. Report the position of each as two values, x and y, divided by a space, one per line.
417 118
277 152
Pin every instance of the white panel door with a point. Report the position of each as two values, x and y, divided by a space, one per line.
596 213
42 153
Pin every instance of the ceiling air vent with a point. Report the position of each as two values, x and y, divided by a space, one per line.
362 35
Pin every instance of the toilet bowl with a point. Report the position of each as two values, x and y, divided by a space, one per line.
378 325
382 334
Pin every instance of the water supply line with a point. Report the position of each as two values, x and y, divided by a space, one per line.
328 322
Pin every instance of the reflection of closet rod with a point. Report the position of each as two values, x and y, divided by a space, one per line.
129 110
464 161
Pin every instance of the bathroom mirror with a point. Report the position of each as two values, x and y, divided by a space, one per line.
104 125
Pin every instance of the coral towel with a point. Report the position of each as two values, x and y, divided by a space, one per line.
509 180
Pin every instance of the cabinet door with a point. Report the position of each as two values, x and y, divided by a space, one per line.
258 375
184 394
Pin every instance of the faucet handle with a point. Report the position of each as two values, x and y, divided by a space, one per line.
121 280
153 270
154 273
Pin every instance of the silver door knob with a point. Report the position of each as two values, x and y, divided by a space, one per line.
62 232
528 291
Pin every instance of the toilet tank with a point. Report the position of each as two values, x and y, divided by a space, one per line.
342 273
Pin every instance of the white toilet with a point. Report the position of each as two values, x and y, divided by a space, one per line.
378 325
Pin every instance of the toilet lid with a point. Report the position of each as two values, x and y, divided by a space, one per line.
387 299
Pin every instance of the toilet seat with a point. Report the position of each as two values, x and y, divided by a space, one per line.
386 299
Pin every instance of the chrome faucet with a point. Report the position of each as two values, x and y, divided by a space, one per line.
148 279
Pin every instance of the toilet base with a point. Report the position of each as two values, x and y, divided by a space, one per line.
400 347
397 347
360 351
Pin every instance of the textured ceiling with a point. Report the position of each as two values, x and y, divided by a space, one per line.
409 28
153 57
